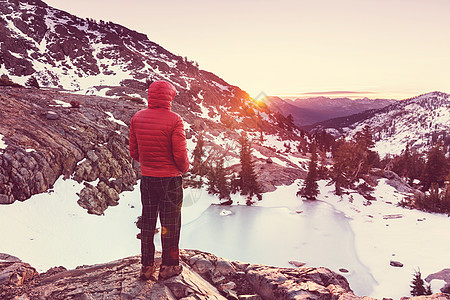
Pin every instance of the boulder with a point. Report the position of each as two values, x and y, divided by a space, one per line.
303 282
396 264
441 275
51 115
397 182
16 273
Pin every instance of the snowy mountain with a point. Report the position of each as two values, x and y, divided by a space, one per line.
106 59
313 110
420 122
83 55
106 68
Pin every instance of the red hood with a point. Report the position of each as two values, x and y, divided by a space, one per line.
161 94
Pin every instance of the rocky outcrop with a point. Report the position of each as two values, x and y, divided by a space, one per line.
87 144
441 275
235 278
204 276
397 182
113 280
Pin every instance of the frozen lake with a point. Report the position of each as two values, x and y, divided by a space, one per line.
317 235
51 229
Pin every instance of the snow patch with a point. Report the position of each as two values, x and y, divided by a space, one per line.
225 212
2 143
62 103
111 118
379 240
221 86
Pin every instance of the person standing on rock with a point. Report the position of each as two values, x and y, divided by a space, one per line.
158 142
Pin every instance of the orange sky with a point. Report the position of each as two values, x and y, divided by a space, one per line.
387 48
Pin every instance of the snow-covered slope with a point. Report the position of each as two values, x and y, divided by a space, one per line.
88 57
62 50
420 122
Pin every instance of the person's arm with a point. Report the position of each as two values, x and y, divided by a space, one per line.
133 146
179 146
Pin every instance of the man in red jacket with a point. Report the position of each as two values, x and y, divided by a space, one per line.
158 142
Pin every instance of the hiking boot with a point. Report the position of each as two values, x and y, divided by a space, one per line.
147 272
166 272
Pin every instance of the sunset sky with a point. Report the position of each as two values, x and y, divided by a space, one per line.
298 48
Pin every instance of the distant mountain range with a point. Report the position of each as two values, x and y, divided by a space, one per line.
420 122
313 110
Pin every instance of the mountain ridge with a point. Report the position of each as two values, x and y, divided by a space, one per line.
419 121
308 111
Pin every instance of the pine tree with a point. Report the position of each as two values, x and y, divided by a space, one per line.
247 177
436 168
218 182
310 189
290 122
409 164
416 167
445 200
418 285
364 140
32 82
322 171
348 165
434 200
198 153
402 162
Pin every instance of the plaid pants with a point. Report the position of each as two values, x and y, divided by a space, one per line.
163 196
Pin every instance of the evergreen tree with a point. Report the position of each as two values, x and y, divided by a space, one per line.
322 171
402 162
247 177
348 165
353 159
324 141
364 139
436 168
416 167
290 122
409 164
198 153
445 200
310 189
218 182
32 82
418 285
434 200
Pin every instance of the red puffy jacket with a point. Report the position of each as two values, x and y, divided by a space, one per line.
157 137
